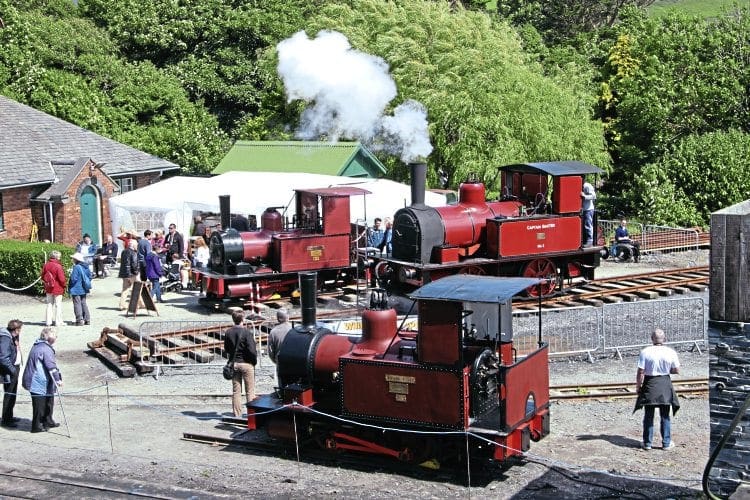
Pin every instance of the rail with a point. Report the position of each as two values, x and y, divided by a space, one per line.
696 386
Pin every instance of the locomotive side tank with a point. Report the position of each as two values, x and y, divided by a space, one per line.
459 372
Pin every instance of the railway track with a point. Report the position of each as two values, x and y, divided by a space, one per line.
629 288
685 387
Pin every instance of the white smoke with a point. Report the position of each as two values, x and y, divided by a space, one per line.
347 92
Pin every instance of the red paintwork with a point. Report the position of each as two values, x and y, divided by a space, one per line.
310 252
378 330
566 194
530 376
443 255
506 353
532 236
271 220
376 389
439 332
471 193
255 245
330 348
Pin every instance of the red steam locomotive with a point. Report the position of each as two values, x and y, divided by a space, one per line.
260 264
453 386
534 230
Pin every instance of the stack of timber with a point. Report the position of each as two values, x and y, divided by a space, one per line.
124 351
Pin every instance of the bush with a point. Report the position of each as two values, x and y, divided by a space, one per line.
21 264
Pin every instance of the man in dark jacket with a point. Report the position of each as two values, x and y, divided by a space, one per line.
144 248
129 272
655 390
174 243
41 378
107 255
10 366
239 345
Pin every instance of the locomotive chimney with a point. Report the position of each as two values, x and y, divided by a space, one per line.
418 173
224 209
308 288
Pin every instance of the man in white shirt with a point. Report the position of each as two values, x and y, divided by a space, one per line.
654 387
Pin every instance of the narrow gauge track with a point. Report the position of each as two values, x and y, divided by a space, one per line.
628 288
695 387
481 473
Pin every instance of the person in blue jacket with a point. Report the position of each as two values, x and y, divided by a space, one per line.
79 286
41 378
154 271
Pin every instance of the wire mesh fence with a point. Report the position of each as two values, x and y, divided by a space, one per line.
612 328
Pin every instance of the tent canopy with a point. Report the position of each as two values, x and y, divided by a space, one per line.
178 199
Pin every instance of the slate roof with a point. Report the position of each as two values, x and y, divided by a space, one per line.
31 141
314 157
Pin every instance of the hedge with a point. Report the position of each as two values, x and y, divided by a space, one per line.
21 265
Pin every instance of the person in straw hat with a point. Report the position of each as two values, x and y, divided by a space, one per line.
79 286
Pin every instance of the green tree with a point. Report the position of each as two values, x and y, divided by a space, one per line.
63 65
211 46
666 81
487 105
701 174
563 20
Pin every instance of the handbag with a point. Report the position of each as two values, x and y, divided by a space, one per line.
228 370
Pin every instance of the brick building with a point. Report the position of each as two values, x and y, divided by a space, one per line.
60 177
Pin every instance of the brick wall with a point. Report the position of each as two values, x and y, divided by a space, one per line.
16 214
19 211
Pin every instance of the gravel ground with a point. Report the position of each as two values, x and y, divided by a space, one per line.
130 429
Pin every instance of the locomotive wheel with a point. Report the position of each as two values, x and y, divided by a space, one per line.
541 268
384 275
474 270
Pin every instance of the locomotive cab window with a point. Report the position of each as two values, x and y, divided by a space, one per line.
487 321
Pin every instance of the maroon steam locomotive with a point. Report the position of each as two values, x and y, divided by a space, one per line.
456 385
260 264
534 230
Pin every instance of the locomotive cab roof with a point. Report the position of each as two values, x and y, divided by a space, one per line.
472 288
336 191
554 168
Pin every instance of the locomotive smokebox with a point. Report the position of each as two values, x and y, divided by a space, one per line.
418 172
225 211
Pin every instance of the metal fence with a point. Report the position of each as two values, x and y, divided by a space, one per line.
652 238
612 328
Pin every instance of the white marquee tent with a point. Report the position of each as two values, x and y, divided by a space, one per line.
178 199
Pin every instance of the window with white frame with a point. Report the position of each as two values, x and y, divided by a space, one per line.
126 184
147 220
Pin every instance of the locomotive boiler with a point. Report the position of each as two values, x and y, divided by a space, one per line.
534 230
257 265
455 385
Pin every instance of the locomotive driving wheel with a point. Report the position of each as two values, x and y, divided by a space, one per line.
474 270
545 269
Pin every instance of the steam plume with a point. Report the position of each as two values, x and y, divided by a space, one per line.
347 92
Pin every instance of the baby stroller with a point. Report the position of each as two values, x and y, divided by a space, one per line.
172 280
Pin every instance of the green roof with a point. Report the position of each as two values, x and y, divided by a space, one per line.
349 159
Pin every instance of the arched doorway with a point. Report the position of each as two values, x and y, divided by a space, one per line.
90 214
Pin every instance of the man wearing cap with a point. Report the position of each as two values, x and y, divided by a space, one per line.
79 286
